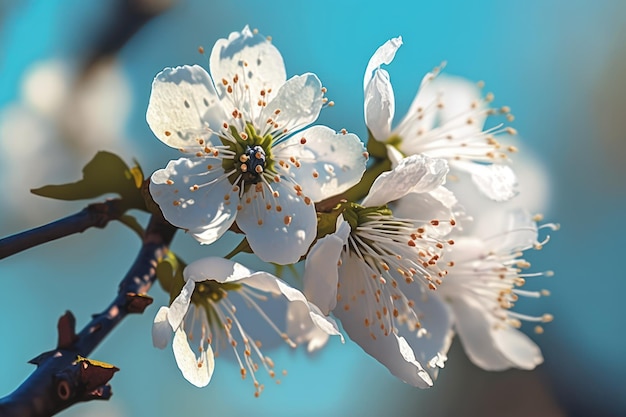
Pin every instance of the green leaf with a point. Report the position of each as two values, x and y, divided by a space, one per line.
169 272
106 173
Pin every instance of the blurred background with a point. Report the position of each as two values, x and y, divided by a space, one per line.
75 78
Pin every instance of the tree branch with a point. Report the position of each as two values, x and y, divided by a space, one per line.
63 376
94 215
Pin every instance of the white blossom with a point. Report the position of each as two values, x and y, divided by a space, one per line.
247 158
377 273
483 286
218 299
445 120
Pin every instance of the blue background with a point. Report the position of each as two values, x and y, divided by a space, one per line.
559 64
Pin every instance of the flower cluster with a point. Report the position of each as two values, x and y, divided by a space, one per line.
393 254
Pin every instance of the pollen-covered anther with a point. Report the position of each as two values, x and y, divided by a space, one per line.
344 131
259 222
167 133
434 223
169 182
315 174
287 220
302 140
511 131
194 188
307 201
243 168
258 169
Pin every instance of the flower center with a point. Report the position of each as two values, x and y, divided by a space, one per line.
252 156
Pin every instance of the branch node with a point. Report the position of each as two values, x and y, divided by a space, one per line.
137 303
66 328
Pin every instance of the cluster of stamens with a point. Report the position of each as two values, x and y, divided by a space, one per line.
392 253
496 279
456 138
214 316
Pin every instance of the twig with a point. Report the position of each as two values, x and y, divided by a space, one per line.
63 377
94 215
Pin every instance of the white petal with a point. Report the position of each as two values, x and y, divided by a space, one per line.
476 331
383 55
161 329
217 269
507 231
518 348
200 210
198 370
460 97
321 268
180 305
330 162
421 116
436 319
379 105
253 58
391 350
182 104
423 207
283 236
299 102
266 282
394 155
301 329
416 173
497 182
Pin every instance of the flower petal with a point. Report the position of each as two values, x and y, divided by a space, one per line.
192 197
330 162
298 304
383 55
283 236
497 182
300 330
183 103
198 370
518 348
423 207
431 343
392 350
461 98
416 173
475 328
252 58
217 269
379 106
180 305
297 103
161 329
321 268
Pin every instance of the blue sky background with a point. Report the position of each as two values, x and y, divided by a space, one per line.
559 64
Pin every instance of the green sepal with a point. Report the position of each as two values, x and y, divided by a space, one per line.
375 148
242 247
169 272
106 173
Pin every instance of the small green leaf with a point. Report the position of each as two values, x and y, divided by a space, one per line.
106 173
169 272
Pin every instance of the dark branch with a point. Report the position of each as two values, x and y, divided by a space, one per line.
63 377
94 215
